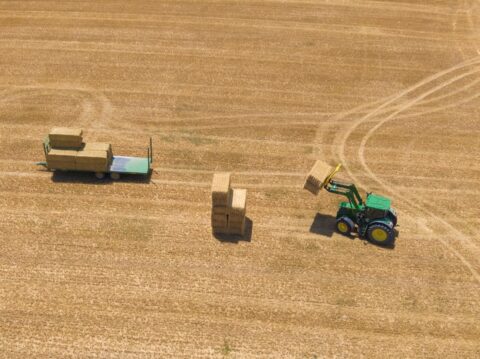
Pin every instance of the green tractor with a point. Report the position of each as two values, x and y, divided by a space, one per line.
373 219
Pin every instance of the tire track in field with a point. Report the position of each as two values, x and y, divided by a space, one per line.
407 104
96 107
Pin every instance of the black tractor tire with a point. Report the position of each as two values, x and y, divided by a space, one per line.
345 226
381 234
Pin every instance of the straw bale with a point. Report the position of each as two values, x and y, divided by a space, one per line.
236 230
61 165
98 146
62 155
238 202
62 137
312 188
318 173
236 223
92 157
95 161
220 210
219 217
221 189
220 230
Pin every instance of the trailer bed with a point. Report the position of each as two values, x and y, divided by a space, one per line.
130 165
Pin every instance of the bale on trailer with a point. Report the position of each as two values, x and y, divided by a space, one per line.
90 160
63 137
99 146
61 159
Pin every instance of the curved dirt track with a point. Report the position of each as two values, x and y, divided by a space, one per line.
130 269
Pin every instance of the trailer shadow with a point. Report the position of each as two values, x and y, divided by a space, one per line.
89 178
229 238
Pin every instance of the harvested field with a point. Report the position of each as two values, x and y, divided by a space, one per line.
261 89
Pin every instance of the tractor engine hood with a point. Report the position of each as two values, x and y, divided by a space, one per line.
376 201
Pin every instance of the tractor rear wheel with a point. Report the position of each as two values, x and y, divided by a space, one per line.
380 234
345 226
115 176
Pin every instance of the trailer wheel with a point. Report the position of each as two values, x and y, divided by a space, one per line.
100 175
115 176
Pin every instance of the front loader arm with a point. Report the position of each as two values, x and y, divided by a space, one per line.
348 190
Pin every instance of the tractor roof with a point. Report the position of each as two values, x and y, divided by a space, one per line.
378 202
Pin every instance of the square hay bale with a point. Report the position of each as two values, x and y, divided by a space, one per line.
61 165
238 203
317 174
100 146
219 220
95 161
236 222
97 146
236 229
55 155
311 188
222 210
220 230
221 189
63 137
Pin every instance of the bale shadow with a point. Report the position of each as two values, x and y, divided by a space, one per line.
89 178
230 238
323 224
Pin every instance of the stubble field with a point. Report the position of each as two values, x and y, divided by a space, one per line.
262 89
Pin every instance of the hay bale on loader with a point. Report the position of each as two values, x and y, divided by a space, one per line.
63 137
319 176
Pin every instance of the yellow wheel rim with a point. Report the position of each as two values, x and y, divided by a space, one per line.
342 227
379 235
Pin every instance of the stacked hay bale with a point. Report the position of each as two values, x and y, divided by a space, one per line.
94 157
61 159
316 177
66 138
228 206
64 146
69 152
237 212
221 193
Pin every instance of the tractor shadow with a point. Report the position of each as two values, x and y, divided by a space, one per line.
89 178
230 238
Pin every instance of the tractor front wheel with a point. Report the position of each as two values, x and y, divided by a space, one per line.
345 226
380 234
